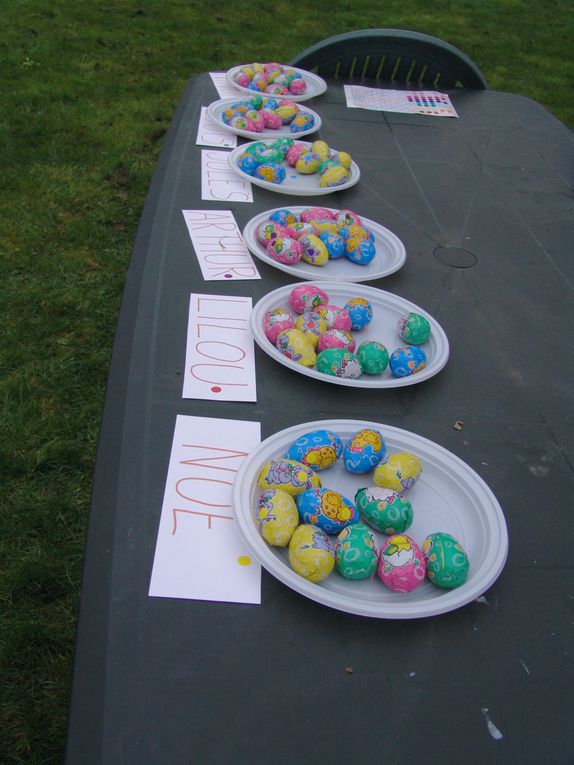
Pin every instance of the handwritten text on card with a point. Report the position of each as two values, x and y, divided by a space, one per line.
219 183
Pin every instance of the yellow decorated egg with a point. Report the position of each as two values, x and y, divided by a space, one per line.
334 176
277 516
310 553
398 472
295 345
321 149
312 325
288 475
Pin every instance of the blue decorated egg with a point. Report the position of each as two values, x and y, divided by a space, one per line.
327 509
334 243
270 173
247 163
360 311
318 449
364 451
407 361
283 217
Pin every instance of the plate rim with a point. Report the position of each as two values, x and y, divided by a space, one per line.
366 382
362 276
258 136
317 80
279 188
449 600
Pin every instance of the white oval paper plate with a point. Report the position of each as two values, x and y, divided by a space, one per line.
390 254
449 496
216 109
387 310
297 184
315 85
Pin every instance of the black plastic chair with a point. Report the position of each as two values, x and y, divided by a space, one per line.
392 56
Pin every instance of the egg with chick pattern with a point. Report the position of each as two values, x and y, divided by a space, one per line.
364 450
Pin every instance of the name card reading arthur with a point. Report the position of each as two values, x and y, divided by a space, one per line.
220 356
199 553
219 246
218 181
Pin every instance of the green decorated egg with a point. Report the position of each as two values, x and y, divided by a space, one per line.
447 562
384 509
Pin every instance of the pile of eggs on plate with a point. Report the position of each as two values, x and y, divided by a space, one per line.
264 159
271 78
325 530
320 337
259 113
316 236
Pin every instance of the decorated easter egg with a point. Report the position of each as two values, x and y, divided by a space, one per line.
447 562
286 110
301 121
298 86
356 555
386 510
242 79
255 102
360 311
324 226
283 217
364 450
271 120
311 214
338 363
283 249
336 338
268 230
348 218
325 165
289 475
307 163
401 564
344 159
283 144
270 173
295 345
269 104
257 149
414 329
275 321
318 449
327 509
312 324
310 553
298 229
277 516
334 176
247 163
407 361
257 120
307 296
334 243
373 357
313 251
399 471
321 149
362 254
336 317
294 153
276 89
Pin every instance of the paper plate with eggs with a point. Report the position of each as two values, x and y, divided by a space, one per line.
259 117
288 166
345 334
277 80
370 519
324 243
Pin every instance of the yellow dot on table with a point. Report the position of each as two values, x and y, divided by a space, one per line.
244 560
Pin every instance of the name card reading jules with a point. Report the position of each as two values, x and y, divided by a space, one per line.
219 246
199 553
218 181
210 133
220 356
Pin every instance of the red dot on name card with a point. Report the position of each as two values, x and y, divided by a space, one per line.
216 389
229 276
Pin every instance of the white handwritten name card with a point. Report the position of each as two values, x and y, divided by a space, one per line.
224 87
210 133
220 356
219 246
218 181
199 553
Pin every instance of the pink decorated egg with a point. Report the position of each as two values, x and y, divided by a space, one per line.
284 250
336 317
336 338
401 564
298 86
305 297
294 153
275 321
317 213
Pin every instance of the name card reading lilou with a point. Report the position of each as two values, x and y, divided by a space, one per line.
199 553
219 246
220 356
218 181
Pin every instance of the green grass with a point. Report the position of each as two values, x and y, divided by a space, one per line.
88 91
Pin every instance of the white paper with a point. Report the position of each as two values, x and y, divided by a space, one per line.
210 133
429 102
199 553
224 88
219 246
220 356
218 181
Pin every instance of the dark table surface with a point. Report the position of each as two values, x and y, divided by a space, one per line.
176 681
